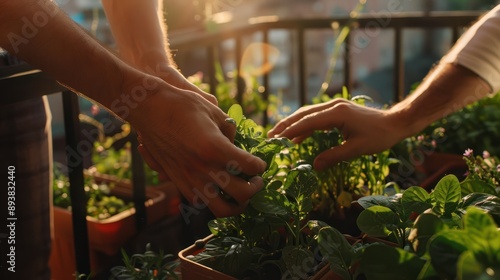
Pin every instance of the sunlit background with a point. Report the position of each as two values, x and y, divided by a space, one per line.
372 64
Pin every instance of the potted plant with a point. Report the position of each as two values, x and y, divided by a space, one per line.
347 181
111 222
273 238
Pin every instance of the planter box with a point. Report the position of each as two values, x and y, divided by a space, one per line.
193 270
108 236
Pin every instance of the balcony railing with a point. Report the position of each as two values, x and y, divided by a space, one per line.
209 43
22 82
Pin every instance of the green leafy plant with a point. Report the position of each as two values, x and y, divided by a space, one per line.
100 203
147 266
483 170
394 216
272 239
361 176
446 236
476 126
110 159
252 101
469 251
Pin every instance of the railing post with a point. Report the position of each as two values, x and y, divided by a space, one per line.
347 63
240 82
302 67
76 180
265 77
398 65
212 81
138 184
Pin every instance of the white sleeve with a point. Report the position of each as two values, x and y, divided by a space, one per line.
478 49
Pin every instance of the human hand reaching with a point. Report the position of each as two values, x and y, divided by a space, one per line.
365 130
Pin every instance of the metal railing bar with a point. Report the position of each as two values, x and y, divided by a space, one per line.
265 77
240 82
76 189
407 20
138 184
347 63
302 67
212 82
398 65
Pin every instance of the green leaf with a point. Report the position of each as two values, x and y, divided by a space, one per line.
298 261
380 261
270 202
446 195
236 112
301 181
237 260
335 248
479 224
468 267
415 199
376 221
445 248
425 227
488 203
391 202
469 186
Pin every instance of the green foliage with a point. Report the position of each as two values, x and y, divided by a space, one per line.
455 238
253 103
476 126
393 216
147 266
272 238
100 204
484 170
362 176
115 161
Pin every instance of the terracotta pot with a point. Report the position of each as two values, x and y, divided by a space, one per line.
193 270
106 237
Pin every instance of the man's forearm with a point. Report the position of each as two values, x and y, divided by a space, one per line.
41 34
447 89
139 30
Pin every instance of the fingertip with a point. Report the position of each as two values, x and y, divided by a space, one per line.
319 164
276 130
258 182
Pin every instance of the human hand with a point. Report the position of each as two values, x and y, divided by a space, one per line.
365 130
189 140
172 76
168 73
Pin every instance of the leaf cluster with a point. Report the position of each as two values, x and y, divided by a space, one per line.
476 126
272 238
362 176
100 203
146 266
454 235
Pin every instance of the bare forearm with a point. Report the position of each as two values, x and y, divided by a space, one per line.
446 89
139 30
41 34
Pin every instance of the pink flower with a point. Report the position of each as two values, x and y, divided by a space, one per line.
468 152
486 154
498 168
420 138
